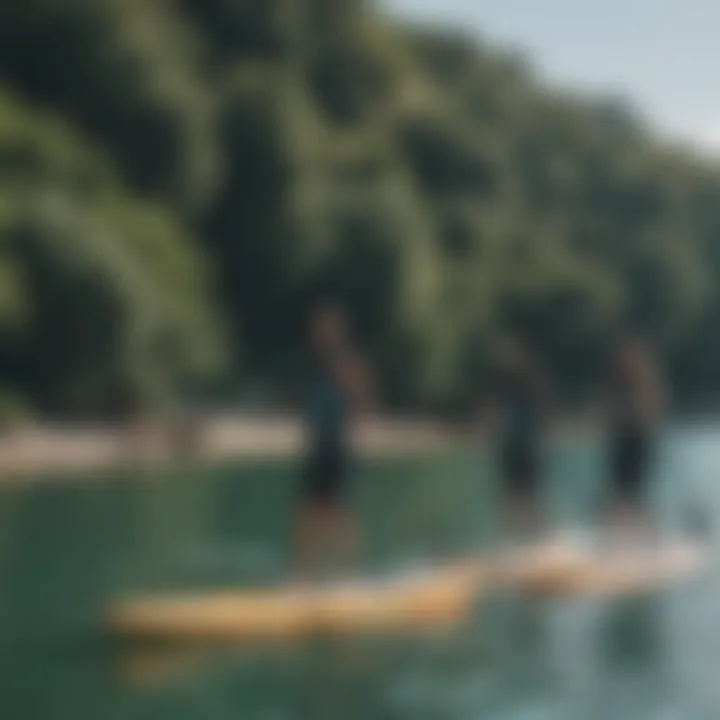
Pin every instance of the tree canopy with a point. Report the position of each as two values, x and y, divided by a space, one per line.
179 177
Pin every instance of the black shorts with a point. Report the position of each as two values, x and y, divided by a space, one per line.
326 474
630 457
520 467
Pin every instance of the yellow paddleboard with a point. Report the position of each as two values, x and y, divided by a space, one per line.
435 598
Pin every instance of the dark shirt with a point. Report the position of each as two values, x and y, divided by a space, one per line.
522 403
627 404
327 410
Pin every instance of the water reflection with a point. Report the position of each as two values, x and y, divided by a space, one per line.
632 651
64 553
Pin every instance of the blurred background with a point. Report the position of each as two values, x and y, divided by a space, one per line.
180 178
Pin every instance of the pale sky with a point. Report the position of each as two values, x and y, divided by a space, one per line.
664 55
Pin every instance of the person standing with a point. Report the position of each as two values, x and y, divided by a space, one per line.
339 392
522 397
635 405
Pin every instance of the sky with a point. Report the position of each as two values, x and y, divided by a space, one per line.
663 55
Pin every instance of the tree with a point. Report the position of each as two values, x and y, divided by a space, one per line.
107 298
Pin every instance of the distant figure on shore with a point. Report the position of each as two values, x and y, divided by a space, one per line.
635 406
339 391
522 400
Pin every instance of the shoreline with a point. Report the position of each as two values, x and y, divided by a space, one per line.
58 449
43 451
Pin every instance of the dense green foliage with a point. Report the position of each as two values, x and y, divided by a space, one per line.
102 305
305 146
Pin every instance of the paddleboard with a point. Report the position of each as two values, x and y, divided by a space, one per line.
428 599
434 597
615 570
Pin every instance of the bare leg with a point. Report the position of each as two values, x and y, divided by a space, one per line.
326 541
630 522
346 540
309 535
525 516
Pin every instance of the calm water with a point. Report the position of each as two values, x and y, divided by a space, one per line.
66 549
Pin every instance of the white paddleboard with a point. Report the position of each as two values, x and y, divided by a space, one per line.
586 567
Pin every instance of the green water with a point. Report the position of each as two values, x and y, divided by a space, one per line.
67 548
